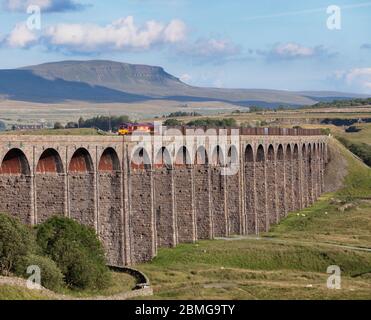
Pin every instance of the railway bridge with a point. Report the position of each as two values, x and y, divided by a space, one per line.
141 193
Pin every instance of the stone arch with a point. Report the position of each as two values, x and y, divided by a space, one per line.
261 190
270 153
81 162
289 179
249 154
81 181
271 186
110 220
163 159
232 156
15 186
109 161
50 162
281 184
260 154
50 186
288 152
201 157
217 157
295 154
15 163
183 157
140 159
280 153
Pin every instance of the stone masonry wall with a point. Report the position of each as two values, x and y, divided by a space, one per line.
81 192
218 203
271 192
184 205
281 187
110 223
141 216
164 208
296 184
250 198
50 197
289 184
233 204
15 199
261 192
202 203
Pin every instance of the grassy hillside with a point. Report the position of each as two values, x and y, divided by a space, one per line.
290 262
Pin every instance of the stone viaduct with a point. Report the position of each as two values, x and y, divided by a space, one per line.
140 194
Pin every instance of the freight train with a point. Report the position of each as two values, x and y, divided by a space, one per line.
129 128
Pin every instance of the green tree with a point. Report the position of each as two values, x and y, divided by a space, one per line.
58 125
16 242
172 123
2 126
51 275
77 252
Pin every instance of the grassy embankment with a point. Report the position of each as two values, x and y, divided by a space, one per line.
121 283
290 262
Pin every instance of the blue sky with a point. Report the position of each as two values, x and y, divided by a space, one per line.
275 44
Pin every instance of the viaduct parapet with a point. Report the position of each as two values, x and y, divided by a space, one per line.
142 195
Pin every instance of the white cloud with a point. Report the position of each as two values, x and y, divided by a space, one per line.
360 77
293 51
185 78
209 50
45 5
122 34
21 37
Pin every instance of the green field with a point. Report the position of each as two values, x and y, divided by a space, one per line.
290 262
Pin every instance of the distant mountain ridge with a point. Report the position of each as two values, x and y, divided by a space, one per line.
109 81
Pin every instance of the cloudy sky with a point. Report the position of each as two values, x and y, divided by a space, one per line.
275 44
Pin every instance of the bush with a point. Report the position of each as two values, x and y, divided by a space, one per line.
221 123
172 123
362 150
58 125
51 275
2 126
16 242
77 252
104 123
